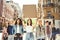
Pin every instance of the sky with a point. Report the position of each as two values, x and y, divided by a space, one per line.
25 2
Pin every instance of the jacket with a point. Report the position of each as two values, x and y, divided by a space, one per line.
20 29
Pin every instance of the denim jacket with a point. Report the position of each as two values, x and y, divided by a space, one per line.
20 29
10 30
40 32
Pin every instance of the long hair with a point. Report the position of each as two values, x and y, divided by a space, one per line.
20 21
30 22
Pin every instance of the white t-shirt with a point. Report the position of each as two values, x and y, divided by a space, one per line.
17 28
29 29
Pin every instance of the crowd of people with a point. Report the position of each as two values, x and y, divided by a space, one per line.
14 30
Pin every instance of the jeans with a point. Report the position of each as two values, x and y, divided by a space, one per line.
53 36
29 36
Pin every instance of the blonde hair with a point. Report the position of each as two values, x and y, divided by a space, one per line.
4 24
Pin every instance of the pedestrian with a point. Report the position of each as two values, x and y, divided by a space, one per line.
48 30
40 35
53 37
5 33
18 29
29 30
10 30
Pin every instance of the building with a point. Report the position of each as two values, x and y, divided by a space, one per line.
17 11
8 10
2 5
11 10
49 8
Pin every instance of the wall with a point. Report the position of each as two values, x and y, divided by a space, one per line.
57 23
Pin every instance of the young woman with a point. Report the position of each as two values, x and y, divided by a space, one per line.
40 30
5 33
53 37
48 30
18 29
29 30
10 30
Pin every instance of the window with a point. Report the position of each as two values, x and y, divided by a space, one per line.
39 5
49 15
58 0
58 9
44 1
49 12
48 1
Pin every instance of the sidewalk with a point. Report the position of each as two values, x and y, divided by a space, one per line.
58 37
0 36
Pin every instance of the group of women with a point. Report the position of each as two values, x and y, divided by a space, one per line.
14 30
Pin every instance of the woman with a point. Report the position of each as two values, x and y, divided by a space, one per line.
40 31
53 37
48 30
18 29
29 30
5 33
10 30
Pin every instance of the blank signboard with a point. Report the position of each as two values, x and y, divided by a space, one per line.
29 11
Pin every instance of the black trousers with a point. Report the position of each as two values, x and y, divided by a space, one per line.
18 36
40 39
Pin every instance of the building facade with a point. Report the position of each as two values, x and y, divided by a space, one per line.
49 8
8 11
11 10
2 4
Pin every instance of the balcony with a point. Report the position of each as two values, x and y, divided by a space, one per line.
49 17
49 5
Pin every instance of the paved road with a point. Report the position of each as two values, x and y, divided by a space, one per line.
0 36
58 37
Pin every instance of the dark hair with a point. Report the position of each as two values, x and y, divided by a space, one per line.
20 21
30 22
46 21
49 23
